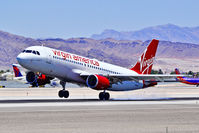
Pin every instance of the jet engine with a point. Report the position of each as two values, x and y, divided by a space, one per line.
37 80
97 82
150 83
31 77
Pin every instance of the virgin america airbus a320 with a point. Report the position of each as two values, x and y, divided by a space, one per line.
101 76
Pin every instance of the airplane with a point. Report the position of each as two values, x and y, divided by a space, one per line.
17 73
187 80
41 79
97 75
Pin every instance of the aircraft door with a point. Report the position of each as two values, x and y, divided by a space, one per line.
49 59
49 62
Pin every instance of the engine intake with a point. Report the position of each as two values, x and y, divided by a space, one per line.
97 82
31 77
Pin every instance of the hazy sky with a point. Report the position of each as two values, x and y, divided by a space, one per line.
82 18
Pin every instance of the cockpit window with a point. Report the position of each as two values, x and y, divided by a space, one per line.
34 52
38 53
28 51
31 51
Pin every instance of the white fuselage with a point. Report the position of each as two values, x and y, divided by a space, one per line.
68 67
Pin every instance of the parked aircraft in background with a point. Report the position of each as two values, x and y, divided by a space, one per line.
187 80
92 73
17 73
40 79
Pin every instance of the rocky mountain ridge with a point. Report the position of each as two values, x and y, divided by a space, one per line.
120 52
168 32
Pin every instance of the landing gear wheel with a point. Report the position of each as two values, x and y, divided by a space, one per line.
104 96
107 96
66 94
61 93
101 95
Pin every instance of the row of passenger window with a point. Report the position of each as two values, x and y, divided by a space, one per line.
102 69
68 60
94 67
31 51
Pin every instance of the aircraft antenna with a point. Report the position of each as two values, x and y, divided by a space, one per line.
42 44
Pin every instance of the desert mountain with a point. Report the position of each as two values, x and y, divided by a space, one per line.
120 52
168 32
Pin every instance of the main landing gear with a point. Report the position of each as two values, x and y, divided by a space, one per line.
104 95
63 93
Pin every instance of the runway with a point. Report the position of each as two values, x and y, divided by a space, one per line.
96 116
163 109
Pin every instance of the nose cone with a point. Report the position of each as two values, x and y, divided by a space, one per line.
19 58
22 59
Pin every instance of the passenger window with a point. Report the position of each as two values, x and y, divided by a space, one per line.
37 52
34 52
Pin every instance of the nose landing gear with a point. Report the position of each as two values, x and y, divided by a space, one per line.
63 93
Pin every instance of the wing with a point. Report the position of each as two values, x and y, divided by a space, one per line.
125 77
147 77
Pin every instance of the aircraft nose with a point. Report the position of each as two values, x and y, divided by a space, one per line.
21 59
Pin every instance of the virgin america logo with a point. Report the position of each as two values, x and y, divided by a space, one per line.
148 62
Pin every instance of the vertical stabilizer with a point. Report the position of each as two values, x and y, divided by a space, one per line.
16 71
177 71
145 62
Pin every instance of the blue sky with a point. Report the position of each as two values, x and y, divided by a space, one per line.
82 18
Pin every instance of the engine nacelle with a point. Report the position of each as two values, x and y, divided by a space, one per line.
43 79
37 80
149 83
97 82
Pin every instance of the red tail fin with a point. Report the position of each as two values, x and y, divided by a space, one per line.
179 77
145 63
16 71
177 71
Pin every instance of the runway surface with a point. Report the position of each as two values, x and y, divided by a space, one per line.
99 116
163 109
